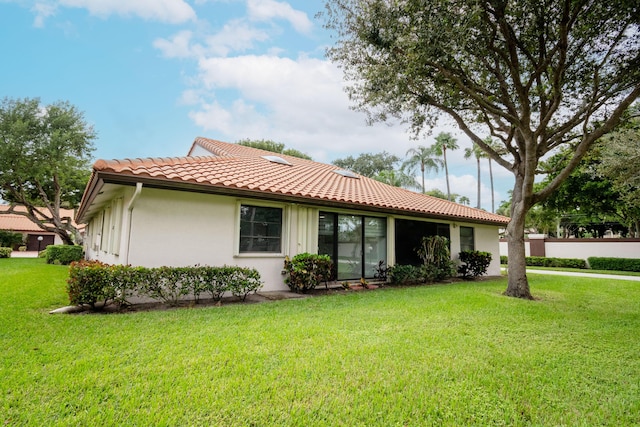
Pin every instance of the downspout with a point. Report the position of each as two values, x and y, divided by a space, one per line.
130 207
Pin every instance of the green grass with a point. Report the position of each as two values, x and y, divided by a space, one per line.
458 354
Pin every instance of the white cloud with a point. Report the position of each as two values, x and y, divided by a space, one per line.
265 10
235 36
213 117
170 11
42 11
178 46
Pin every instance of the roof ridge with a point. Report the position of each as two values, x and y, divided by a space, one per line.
103 164
233 149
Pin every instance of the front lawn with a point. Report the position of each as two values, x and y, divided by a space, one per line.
459 354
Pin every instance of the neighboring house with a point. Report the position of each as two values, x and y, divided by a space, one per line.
31 233
226 204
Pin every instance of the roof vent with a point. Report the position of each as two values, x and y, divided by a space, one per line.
276 159
346 173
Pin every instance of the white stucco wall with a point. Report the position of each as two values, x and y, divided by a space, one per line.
598 248
486 239
504 248
585 248
179 228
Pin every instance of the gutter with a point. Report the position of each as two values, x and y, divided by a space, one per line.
130 207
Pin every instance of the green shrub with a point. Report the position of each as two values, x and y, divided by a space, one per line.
404 274
538 261
305 271
9 239
63 254
475 264
243 281
5 252
617 264
92 282
436 258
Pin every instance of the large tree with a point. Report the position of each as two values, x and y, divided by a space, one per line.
535 75
620 157
368 164
45 155
273 146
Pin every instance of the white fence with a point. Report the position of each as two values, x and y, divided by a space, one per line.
578 248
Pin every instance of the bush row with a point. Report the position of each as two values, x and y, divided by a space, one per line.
618 264
5 252
93 282
411 274
63 254
540 261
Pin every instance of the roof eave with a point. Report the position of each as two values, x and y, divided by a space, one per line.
100 178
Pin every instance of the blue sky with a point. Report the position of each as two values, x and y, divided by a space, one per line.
151 75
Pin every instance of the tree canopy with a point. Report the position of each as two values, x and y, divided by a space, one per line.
45 153
274 147
534 75
369 164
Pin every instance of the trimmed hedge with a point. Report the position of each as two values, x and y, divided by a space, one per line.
476 263
305 271
410 274
5 252
617 264
540 261
93 282
63 254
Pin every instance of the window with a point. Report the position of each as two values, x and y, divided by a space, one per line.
467 242
260 229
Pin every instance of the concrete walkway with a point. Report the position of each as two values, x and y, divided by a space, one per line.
25 254
577 274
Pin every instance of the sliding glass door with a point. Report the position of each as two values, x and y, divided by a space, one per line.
355 243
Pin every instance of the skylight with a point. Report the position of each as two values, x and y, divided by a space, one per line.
346 173
276 159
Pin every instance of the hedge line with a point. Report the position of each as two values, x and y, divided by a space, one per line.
540 261
617 264
63 254
93 282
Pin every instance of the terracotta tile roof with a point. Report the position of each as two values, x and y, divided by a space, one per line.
233 168
20 223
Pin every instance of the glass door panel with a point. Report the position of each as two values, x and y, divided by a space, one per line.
375 244
349 247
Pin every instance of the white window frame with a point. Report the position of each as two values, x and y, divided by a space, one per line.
284 232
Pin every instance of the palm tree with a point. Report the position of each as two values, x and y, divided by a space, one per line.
477 153
422 156
464 200
397 179
491 143
445 141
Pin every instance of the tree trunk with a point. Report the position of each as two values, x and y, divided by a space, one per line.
66 238
493 202
446 172
478 164
422 170
518 284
